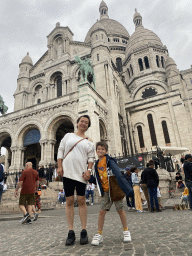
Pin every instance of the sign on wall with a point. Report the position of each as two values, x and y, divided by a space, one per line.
32 137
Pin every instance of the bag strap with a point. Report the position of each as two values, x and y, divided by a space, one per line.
74 146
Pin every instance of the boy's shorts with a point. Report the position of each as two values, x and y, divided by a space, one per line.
106 203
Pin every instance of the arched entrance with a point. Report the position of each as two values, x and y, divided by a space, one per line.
5 142
32 148
65 127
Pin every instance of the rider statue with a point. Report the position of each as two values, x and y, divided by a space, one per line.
3 108
86 70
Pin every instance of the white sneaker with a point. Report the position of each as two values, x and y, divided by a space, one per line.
127 236
91 203
139 211
97 239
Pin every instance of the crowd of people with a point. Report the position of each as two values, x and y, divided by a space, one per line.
75 161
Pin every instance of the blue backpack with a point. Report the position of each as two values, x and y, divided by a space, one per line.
1 173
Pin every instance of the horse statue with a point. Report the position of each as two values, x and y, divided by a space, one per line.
86 70
3 108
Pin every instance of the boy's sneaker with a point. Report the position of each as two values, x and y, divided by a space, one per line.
25 218
71 238
35 216
83 237
127 236
97 239
139 211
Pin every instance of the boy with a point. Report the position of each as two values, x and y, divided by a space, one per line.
103 166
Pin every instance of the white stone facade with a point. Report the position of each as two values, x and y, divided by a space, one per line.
136 80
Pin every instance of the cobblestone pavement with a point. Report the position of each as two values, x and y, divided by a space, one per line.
165 233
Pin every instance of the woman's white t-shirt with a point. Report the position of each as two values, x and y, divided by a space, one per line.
76 161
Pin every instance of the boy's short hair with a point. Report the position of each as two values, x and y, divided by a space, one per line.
86 116
133 169
102 144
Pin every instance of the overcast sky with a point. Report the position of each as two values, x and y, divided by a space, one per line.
24 25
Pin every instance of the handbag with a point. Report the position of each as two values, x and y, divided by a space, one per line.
116 192
60 177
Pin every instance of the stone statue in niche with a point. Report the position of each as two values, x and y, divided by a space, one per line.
59 48
86 70
3 108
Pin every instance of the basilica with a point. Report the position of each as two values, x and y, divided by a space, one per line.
136 97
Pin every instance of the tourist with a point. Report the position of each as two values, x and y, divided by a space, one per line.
102 166
179 181
130 200
151 178
75 151
188 176
61 196
144 188
90 191
29 181
136 188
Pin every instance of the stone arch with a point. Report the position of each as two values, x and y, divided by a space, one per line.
4 133
151 83
58 126
37 82
75 70
56 70
103 130
26 127
6 142
55 121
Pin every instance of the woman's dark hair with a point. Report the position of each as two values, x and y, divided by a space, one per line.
133 169
102 144
86 116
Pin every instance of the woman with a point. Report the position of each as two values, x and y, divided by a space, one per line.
136 188
75 151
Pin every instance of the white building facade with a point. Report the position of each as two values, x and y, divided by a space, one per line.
140 99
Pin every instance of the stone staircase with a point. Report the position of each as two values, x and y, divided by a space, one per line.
10 204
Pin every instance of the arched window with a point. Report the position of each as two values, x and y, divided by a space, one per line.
119 64
152 130
109 40
59 86
129 72
140 134
146 62
38 101
131 69
140 64
157 60
165 132
162 62
97 57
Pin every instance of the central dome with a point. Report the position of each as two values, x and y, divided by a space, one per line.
112 27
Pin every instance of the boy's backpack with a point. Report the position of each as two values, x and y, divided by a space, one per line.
1 173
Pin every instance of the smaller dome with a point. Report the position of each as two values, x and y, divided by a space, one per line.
97 26
170 62
103 4
27 59
141 37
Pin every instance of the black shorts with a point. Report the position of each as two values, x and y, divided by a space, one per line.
70 185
